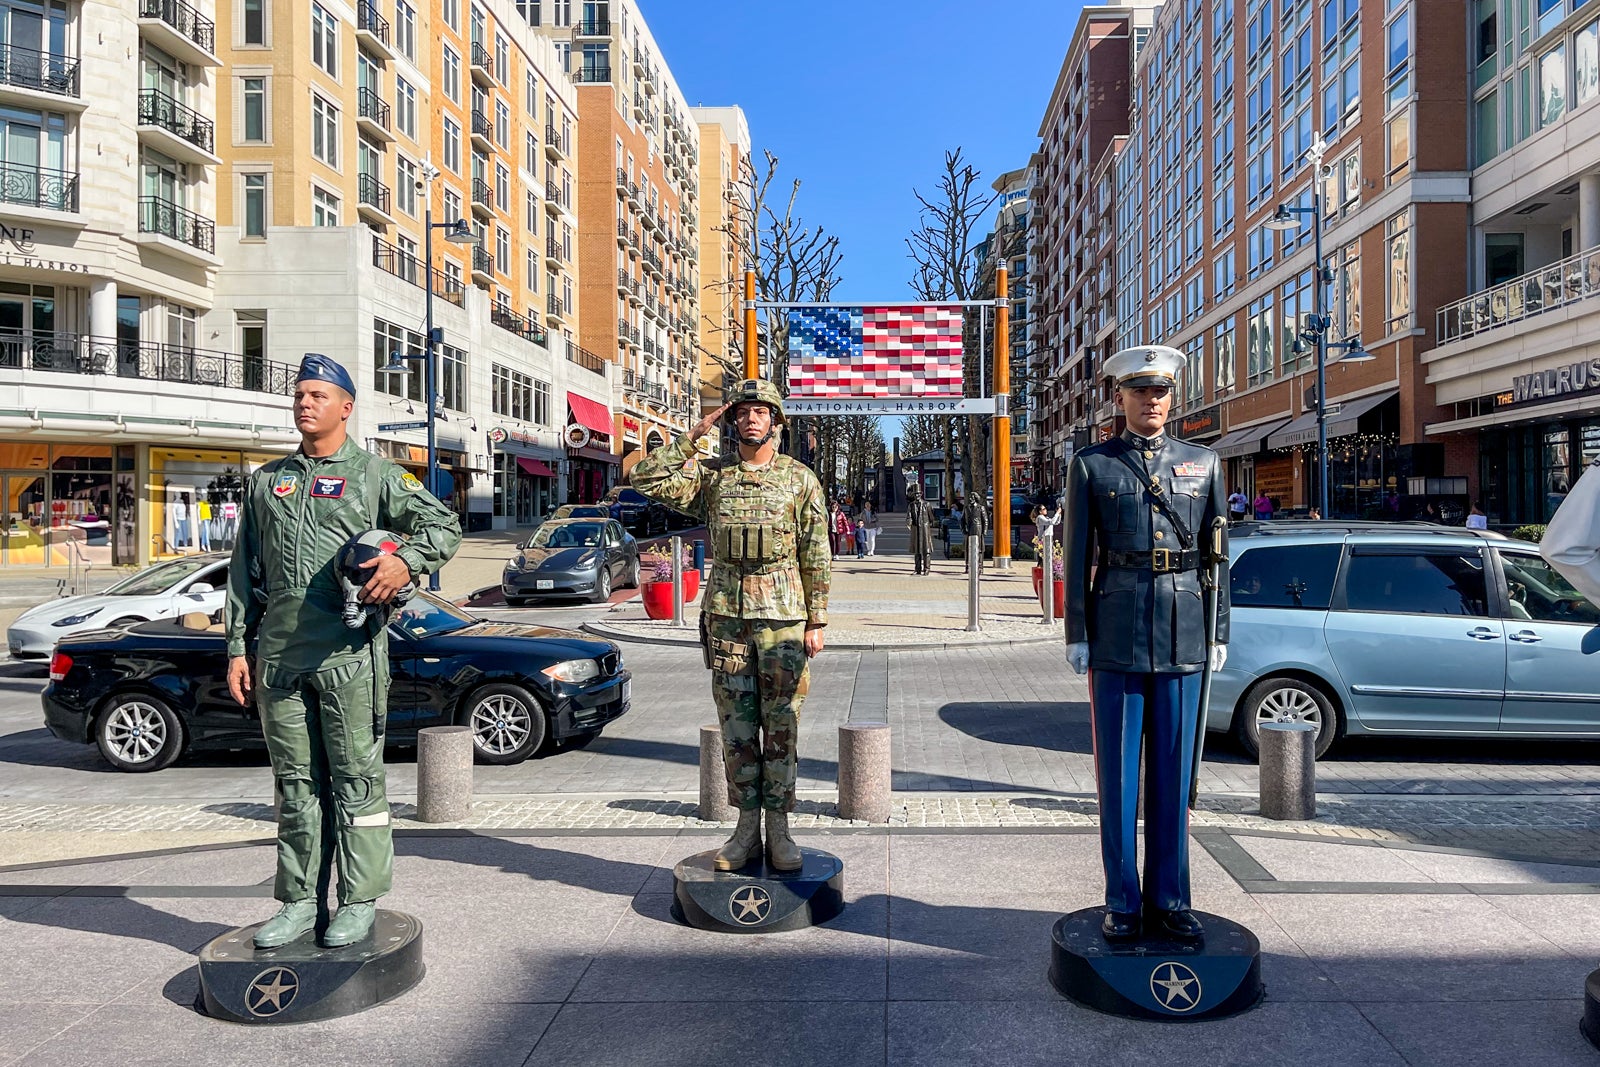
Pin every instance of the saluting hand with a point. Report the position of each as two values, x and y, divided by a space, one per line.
389 576
705 425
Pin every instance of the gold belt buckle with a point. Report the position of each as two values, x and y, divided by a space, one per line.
1161 559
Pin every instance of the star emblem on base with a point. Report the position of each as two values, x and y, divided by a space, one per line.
749 905
271 992
1175 987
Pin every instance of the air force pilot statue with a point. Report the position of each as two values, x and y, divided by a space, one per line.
1138 541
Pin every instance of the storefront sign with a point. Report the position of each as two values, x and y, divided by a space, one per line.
910 405
630 427
17 249
576 436
498 435
1199 424
1574 378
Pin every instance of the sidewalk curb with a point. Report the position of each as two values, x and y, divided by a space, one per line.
690 639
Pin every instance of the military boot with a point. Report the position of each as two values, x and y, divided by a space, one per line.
351 923
744 845
782 852
292 920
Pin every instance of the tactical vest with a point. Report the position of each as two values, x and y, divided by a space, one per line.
752 518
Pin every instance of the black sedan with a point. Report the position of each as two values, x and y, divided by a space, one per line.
572 557
636 511
150 693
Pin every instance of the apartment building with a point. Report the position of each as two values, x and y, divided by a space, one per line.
639 212
349 130
1007 245
726 179
1516 362
124 426
1341 101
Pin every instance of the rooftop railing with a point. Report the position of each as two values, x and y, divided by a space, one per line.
1556 285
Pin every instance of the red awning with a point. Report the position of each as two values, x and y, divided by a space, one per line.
535 467
591 413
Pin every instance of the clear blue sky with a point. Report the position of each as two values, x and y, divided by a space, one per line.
861 100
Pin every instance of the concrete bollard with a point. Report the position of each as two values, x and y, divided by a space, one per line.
864 774
714 806
1288 770
444 773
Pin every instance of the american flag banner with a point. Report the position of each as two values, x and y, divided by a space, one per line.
905 351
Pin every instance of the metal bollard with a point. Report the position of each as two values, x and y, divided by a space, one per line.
700 558
865 780
1048 585
974 573
714 806
677 581
444 773
1288 770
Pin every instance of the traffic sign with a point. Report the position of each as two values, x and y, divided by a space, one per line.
394 427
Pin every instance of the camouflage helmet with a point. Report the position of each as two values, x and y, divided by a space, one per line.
760 391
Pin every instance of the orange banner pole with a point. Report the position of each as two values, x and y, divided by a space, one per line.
1002 423
751 363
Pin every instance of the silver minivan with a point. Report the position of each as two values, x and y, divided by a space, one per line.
1404 629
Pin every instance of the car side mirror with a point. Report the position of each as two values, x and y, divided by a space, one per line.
200 589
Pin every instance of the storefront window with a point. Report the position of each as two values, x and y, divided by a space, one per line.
195 496
1556 469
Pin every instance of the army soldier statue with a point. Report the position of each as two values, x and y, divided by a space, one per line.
764 608
322 685
1138 529
918 519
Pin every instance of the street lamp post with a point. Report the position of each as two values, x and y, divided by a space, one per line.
456 232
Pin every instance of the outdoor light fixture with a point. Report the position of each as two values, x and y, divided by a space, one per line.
1282 219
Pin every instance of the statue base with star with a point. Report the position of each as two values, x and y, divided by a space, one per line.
1157 977
301 982
758 898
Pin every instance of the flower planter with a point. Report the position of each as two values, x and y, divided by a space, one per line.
657 596
1061 591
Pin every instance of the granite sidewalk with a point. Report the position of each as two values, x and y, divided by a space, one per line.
557 947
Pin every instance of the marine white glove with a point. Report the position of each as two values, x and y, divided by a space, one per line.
1219 656
1078 657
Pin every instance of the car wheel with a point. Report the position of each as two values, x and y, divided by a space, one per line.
633 574
126 620
136 732
602 583
508 725
516 601
1285 700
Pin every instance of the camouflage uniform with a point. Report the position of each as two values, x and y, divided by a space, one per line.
770 569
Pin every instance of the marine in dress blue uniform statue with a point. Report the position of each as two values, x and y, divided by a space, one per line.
1136 541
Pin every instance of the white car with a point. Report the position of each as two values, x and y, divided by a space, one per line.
162 591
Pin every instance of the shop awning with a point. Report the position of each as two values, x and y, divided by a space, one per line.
591 413
1245 442
535 467
1341 423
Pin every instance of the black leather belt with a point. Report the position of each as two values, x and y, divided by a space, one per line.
1159 560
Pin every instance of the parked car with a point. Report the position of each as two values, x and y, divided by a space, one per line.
580 511
1405 629
572 557
636 512
160 591
148 694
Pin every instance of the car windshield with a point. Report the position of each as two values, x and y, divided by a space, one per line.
567 535
425 615
631 496
160 578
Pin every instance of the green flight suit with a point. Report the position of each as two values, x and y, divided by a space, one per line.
322 687
770 573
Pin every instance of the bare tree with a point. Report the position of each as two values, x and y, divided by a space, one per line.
921 433
941 248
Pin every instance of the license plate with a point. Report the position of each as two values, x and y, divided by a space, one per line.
544 583
627 691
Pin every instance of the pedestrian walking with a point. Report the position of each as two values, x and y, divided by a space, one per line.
1263 506
842 531
870 525
835 517
1238 504
859 526
1476 519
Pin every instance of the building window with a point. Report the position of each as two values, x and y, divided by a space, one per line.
324 131
452 205
451 75
1552 85
1397 254
453 377
511 393
1297 303
452 145
530 151
533 270
1397 81
533 212
252 345
1260 356
502 59
566 293
529 10
254 188
502 187
541 402
1586 63
324 207
561 12
253 102
1222 352
1222 271
502 250
1194 372
325 40
450 11
502 124
405 180
405 107
1344 302
387 339
405 28
255 22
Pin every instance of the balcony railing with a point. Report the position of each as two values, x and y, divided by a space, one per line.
156 108
183 18
56 190
481 59
369 21
594 28
553 249
553 138
482 125
593 74
48 72
511 322
372 192
482 261
70 353
482 193
1561 283
552 303
370 105
585 359
169 220
403 265
552 192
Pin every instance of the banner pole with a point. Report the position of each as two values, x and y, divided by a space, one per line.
1002 423
751 367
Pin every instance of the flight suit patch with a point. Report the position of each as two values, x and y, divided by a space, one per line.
285 485
327 487
410 484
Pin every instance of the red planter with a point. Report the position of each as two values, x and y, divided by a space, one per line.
657 596
1061 591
